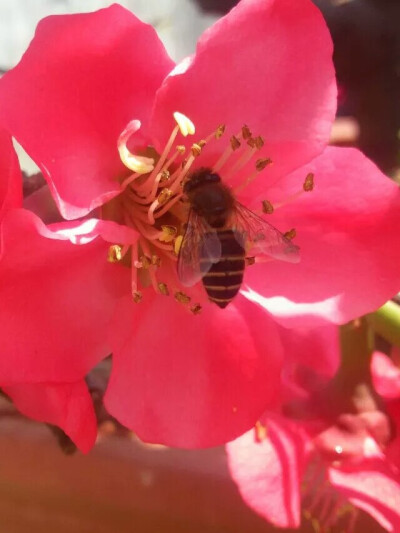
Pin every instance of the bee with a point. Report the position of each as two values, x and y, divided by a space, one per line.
220 233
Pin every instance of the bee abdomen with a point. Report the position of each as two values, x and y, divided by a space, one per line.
224 279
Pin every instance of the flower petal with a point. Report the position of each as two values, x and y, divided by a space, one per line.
346 230
268 473
372 487
10 175
56 298
192 381
83 78
267 64
385 376
67 405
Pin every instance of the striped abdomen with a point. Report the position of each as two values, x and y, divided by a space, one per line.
222 282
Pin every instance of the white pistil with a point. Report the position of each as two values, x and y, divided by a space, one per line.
136 163
185 124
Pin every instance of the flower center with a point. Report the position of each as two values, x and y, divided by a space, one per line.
153 202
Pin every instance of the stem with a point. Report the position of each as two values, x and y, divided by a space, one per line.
386 322
356 343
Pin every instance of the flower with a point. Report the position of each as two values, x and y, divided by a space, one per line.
91 83
65 404
330 446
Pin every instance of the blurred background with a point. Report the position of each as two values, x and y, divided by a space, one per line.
124 485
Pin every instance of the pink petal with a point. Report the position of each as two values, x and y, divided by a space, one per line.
373 487
268 473
67 405
83 78
56 300
346 230
317 349
385 376
192 381
10 175
267 64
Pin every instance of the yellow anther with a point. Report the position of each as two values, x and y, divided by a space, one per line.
308 184
220 131
178 244
262 163
246 133
261 431
144 261
182 298
162 287
235 143
136 163
164 196
195 149
291 234
155 260
250 261
196 309
267 207
168 233
114 253
181 149
202 143
186 126
259 142
137 296
165 175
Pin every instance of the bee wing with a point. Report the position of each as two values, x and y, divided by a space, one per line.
200 248
261 236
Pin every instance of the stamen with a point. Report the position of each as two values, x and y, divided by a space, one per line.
260 165
261 432
246 133
196 150
245 158
178 244
250 261
291 234
186 126
196 309
168 233
182 298
114 253
267 207
156 260
220 131
168 206
235 143
162 287
308 184
150 267
137 296
164 196
129 180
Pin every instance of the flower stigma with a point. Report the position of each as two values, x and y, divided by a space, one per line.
152 201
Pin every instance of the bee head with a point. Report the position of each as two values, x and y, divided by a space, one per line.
200 177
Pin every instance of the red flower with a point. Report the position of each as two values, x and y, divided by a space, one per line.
322 453
65 404
179 379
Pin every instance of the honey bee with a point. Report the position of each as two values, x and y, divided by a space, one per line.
220 233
